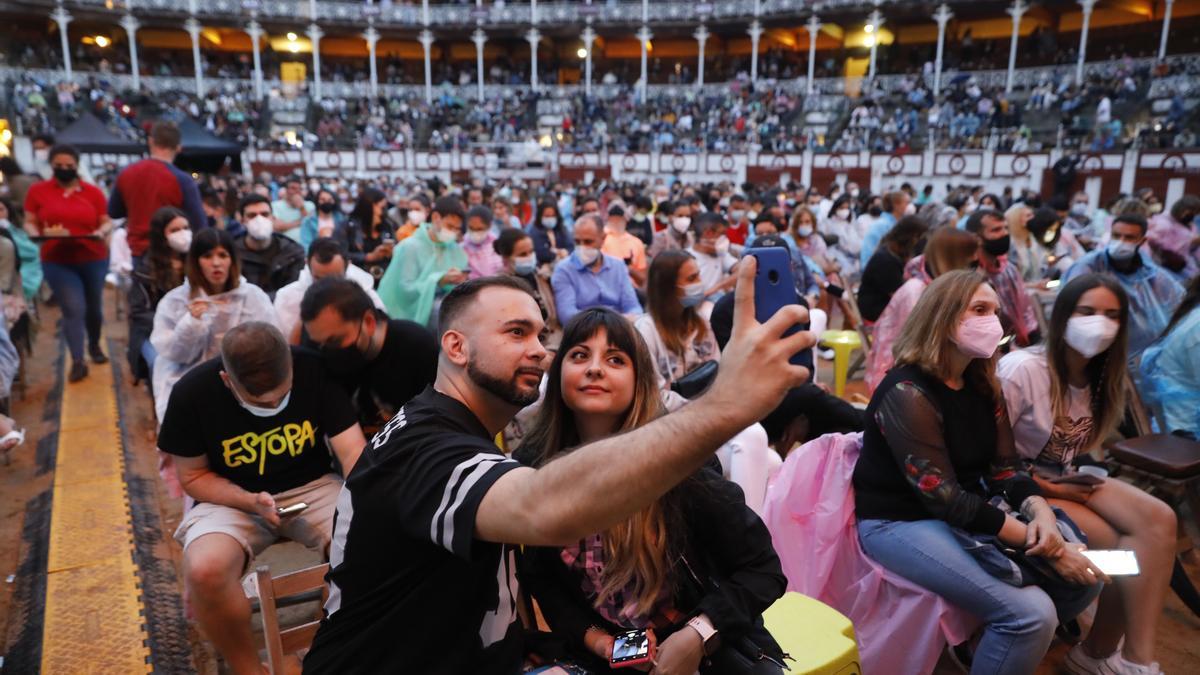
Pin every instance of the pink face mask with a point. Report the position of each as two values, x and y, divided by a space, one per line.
978 336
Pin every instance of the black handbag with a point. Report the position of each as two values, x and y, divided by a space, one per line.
697 381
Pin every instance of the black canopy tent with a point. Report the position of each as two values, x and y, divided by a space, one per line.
89 135
204 152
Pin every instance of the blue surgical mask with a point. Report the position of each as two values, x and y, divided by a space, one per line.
525 266
1121 250
804 231
693 294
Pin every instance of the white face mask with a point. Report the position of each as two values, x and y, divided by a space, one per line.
549 223
843 214
736 215
180 240
41 155
416 216
526 265
447 236
752 216
5 223
804 231
586 254
910 209
259 411
260 228
1090 335
477 237
722 245
681 224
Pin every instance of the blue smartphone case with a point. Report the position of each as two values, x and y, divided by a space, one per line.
774 286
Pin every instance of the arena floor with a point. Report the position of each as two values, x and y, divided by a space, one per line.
162 639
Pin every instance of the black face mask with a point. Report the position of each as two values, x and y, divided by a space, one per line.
326 207
997 247
63 175
345 360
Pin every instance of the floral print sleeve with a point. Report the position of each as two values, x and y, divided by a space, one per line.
912 426
1007 475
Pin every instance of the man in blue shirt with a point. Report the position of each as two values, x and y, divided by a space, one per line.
895 207
1153 291
588 278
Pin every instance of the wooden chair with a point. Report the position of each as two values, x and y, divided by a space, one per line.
1168 467
271 590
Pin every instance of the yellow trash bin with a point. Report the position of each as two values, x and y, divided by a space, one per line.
817 637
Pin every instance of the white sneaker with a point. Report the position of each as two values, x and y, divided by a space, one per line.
1118 665
1079 662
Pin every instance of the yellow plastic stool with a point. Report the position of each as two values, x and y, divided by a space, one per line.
843 343
817 637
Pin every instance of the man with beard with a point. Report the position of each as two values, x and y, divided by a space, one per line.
427 523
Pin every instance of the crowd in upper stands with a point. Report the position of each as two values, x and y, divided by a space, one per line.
283 320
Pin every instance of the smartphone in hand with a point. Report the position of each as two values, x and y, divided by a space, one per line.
774 286
631 648
291 510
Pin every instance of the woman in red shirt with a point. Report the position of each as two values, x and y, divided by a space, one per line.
72 217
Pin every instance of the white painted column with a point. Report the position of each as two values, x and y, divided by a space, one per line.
479 38
875 19
255 31
1088 6
755 31
62 17
701 36
372 37
1162 43
1017 10
589 40
533 37
814 29
193 28
942 17
315 34
644 36
130 23
426 38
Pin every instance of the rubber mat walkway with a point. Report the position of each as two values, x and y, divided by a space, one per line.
93 611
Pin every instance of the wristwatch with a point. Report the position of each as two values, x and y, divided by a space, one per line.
708 634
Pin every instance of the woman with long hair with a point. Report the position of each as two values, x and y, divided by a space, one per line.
1064 398
680 341
192 318
551 239
157 272
948 249
515 248
695 559
884 273
368 236
937 446
324 222
1170 369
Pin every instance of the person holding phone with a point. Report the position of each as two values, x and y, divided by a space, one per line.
1064 399
72 216
937 443
695 568
429 521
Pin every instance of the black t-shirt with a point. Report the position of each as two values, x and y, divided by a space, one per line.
405 365
258 454
411 588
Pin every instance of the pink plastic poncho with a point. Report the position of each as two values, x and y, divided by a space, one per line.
900 627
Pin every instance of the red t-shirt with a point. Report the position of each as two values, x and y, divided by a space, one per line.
79 210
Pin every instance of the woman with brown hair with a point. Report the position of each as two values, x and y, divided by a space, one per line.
192 318
948 249
696 568
937 446
158 271
1064 399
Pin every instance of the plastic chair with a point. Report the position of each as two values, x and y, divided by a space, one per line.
817 637
843 343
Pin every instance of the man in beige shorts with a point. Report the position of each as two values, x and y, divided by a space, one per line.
251 432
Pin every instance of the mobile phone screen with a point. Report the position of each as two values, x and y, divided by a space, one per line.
1115 563
1079 479
633 645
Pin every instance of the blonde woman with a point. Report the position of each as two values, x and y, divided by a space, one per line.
696 560
937 444
1024 252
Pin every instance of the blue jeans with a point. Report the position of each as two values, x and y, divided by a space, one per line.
1020 622
79 290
